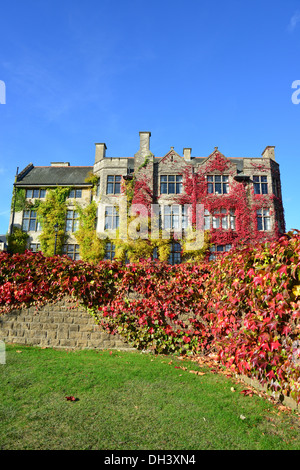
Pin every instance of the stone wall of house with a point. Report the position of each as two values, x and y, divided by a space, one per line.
59 325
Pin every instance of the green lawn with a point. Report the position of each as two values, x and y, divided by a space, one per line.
130 401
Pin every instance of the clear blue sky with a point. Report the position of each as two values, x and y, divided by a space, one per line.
194 73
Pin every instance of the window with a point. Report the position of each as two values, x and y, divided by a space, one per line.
110 250
260 185
72 222
221 218
173 217
72 251
75 193
35 193
217 250
175 253
206 219
30 222
113 184
263 219
35 247
111 218
171 184
217 184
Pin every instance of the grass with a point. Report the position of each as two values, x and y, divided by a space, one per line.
131 401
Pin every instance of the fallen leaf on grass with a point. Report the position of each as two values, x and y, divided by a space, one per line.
197 372
247 392
71 398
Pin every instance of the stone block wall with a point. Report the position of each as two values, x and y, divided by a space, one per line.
59 325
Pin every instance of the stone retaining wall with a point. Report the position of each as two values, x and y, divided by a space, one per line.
56 325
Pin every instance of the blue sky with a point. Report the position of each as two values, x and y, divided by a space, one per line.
194 73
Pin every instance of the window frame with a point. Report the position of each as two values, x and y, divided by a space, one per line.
114 184
263 219
167 184
224 219
113 217
75 193
35 247
74 221
174 251
31 220
110 251
260 186
41 193
73 253
212 181
217 250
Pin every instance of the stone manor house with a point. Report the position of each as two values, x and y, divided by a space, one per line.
241 197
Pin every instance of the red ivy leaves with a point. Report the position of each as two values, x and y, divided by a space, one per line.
244 306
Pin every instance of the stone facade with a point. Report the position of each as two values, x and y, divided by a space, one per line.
259 176
59 325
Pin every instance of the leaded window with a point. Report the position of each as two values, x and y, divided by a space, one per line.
217 184
260 184
175 253
72 222
71 250
111 218
217 250
30 222
113 184
110 251
36 193
263 219
75 193
171 184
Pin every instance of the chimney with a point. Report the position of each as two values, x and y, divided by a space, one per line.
187 153
100 152
60 164
269 152
145 141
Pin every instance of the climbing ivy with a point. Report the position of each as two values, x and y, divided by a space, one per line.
91 247
50 212
93 179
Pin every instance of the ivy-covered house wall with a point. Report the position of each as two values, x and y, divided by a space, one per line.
175 207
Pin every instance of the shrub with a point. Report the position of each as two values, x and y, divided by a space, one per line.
245 307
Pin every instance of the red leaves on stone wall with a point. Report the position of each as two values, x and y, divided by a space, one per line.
244 306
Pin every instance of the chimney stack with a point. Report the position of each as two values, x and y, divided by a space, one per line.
100 152
145 141
269 152
187 153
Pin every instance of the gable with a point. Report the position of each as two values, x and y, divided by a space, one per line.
216 161
171 158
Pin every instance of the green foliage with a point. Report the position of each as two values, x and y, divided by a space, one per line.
50 212
93 179
92 249
17 241
18 202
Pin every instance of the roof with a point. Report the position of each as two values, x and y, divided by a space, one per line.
53 176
